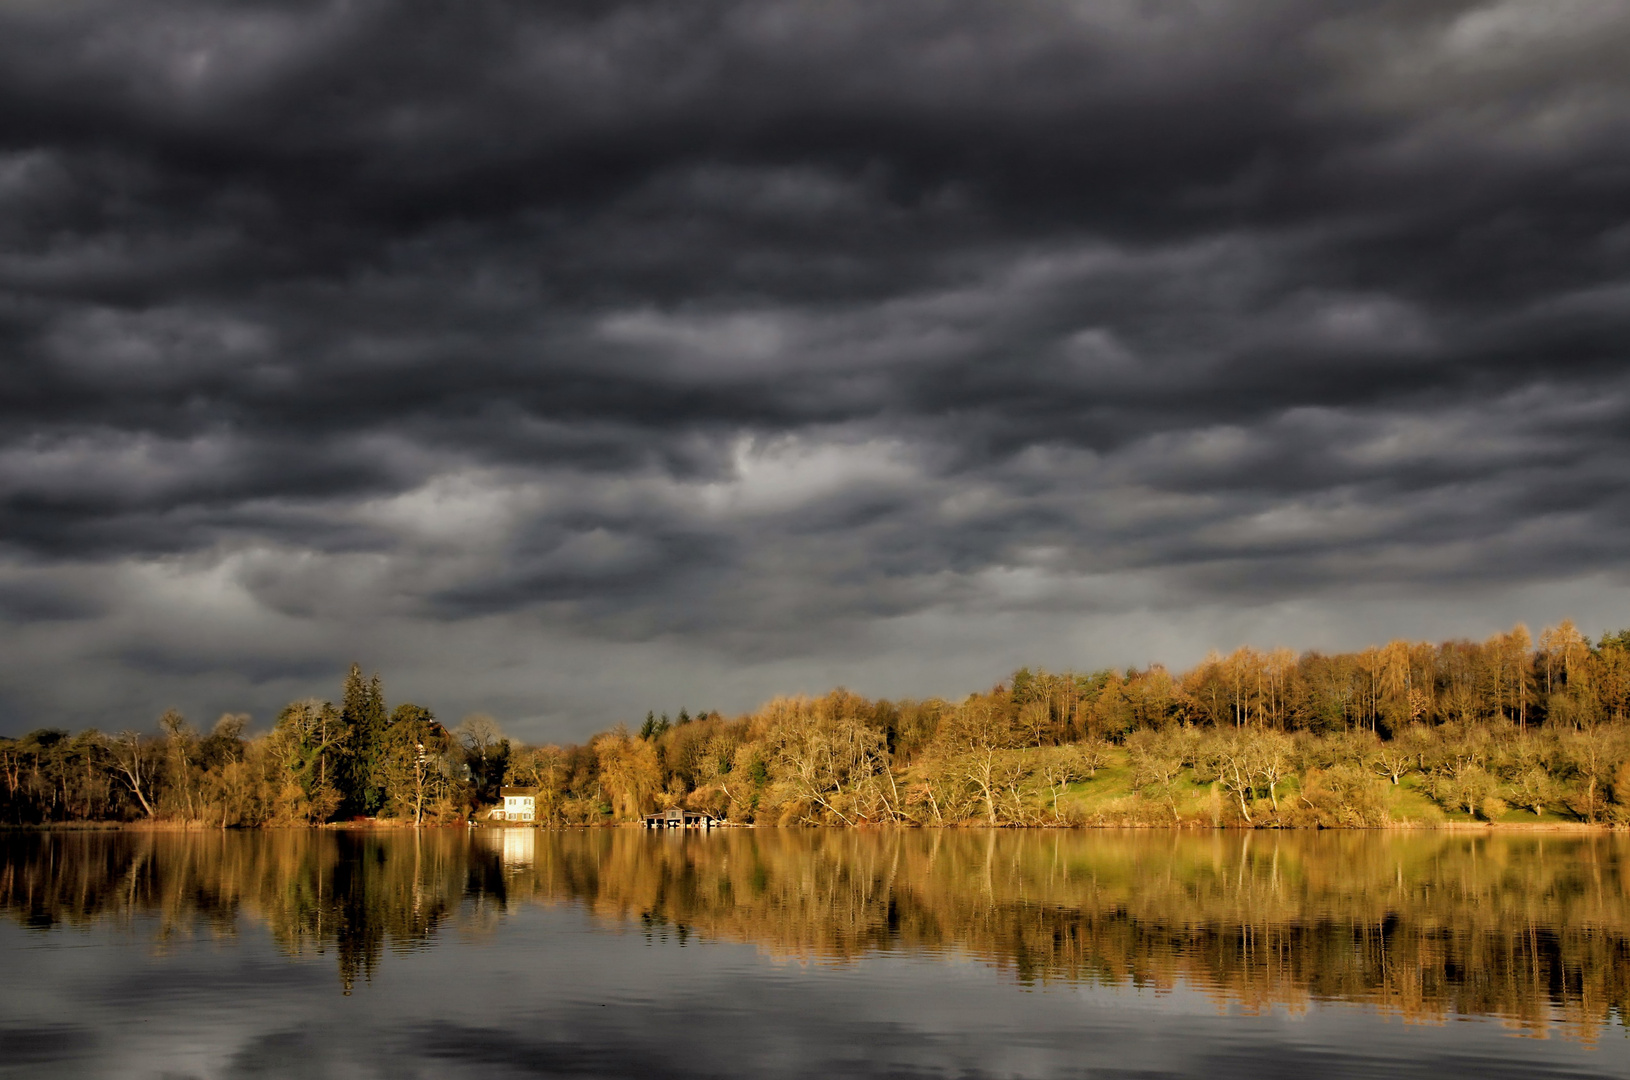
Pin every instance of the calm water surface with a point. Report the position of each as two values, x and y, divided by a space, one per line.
521 953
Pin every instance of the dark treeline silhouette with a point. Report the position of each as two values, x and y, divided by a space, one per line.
1503 730
1531 928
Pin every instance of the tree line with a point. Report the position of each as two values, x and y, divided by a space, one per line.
1508 727
321 762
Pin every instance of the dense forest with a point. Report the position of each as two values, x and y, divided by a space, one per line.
1503 730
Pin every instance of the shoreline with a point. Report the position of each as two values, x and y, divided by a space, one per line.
1565 827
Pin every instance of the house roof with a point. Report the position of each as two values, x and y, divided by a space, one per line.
530 792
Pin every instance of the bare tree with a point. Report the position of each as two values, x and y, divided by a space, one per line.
133 763
481 734
1393 760
1271 760
180 742
1061 768
971 741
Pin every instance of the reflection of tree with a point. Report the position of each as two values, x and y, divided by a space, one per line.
1423 925
354 893
1532 929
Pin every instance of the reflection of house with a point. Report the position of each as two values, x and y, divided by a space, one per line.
679 818
520 804
519 846
514 847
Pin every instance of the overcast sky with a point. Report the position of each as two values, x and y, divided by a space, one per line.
567 360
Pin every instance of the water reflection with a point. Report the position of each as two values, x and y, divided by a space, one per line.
1530 928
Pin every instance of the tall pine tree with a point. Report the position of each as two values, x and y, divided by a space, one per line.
363 709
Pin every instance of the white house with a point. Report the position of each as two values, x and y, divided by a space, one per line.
520 804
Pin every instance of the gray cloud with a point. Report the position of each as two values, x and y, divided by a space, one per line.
561 361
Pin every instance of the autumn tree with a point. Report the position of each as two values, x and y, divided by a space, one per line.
417 764
629 772
1233 764
227 791
309 749
180 743
825 754
545 770
971 742
1158 764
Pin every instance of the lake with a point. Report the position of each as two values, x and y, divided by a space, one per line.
502 953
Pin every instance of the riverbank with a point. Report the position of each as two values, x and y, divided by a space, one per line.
1562 827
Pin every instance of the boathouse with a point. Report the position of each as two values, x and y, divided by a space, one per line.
677 817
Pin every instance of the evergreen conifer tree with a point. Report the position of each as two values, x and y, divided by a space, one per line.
363 708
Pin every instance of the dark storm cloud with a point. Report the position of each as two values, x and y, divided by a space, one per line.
757 323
